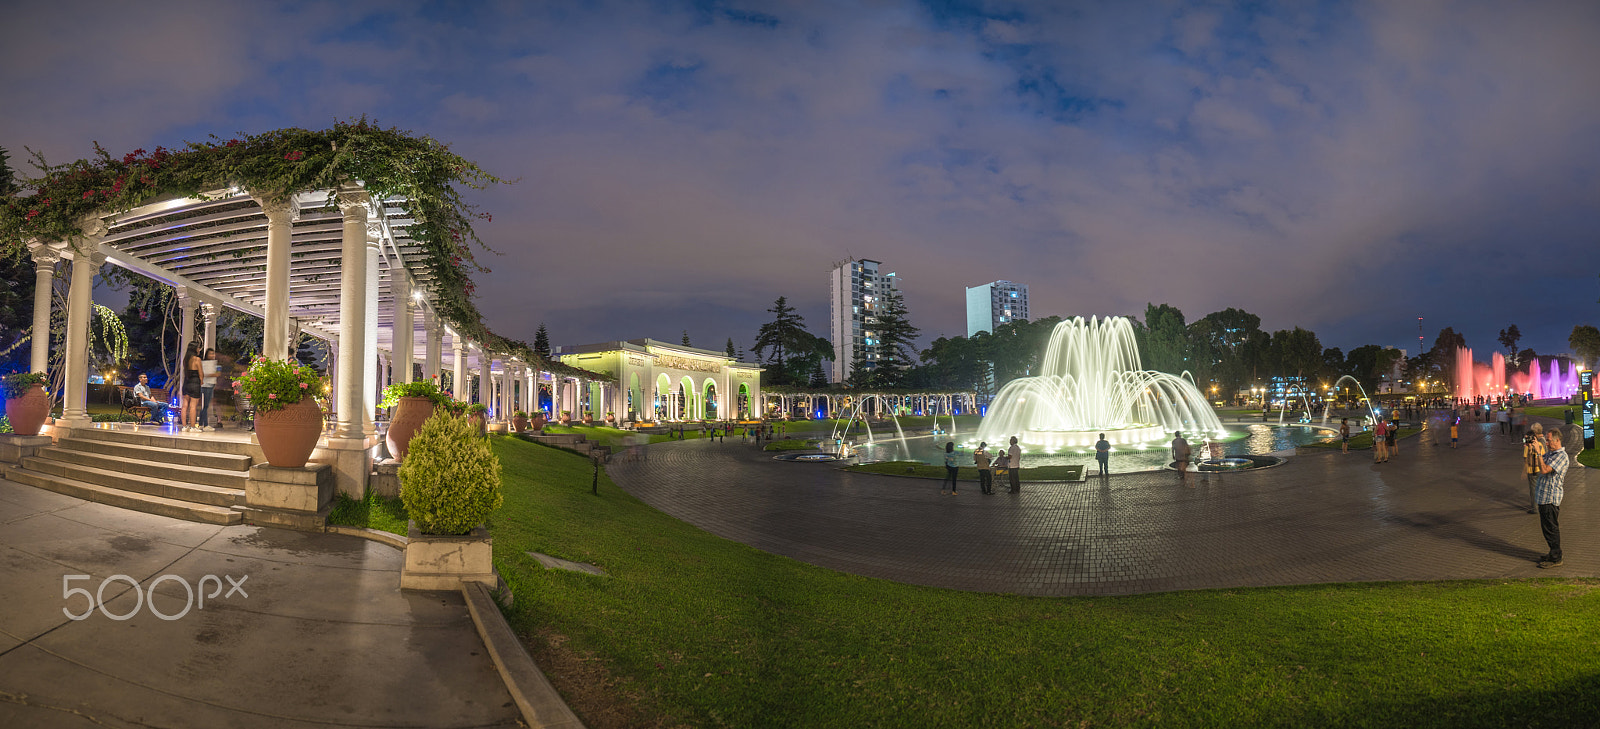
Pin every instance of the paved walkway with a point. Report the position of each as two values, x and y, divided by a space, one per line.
1430 513
324 638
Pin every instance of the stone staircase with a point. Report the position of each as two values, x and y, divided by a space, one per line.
184 478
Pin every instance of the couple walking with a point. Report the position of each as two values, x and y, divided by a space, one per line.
1010 459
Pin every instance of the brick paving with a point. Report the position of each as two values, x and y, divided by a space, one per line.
1429 514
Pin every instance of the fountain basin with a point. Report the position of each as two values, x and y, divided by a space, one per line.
1087 438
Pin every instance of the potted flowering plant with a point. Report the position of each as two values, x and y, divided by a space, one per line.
412 403
288 418
27 401
519 421
566 417
478 414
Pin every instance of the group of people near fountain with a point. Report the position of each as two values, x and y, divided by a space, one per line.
1008 460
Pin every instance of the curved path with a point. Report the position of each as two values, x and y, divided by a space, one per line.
1430 513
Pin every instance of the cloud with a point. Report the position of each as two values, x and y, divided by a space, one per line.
1337 167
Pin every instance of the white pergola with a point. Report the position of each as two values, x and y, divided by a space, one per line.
351 275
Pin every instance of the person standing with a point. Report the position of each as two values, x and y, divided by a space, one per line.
1344 434
208 387
1380 441
951 467
1533 451
1014 461
191 388
1394 437
1180 457
1455 430
980 458
1553 471
1102 455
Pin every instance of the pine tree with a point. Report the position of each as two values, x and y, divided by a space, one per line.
541 342
731 353
8 181
686 338
896 338
819 378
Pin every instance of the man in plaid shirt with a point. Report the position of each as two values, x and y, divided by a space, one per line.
1547 494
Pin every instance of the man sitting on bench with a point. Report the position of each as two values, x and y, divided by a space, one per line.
141 391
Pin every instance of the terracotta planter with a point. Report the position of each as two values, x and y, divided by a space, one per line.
288 436
409 415
28 411
519 423
537 422
481 421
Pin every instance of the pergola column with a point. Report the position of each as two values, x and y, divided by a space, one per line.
45 258
430 356
353 351
275 331
458 369
369 385
208 314
186 307
506 393
405 322
86 261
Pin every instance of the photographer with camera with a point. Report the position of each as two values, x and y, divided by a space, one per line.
1533 450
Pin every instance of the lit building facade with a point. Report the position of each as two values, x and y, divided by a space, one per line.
993 304
658 381
856 291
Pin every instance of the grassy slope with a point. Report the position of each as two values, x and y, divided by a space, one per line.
704 631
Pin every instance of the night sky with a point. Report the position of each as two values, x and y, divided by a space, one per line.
1344 167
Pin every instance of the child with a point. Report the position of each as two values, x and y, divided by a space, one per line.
1454 431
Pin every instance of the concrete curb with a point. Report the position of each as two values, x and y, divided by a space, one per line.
538 701
375 535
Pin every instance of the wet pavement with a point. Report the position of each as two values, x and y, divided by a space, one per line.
1431 513
297 629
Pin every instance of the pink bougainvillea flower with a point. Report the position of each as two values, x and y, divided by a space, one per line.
303 385
295 156
272 396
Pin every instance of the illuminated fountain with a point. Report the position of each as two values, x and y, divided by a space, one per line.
1476 379
1092 382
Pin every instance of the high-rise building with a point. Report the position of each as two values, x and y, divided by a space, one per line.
993 304
856 291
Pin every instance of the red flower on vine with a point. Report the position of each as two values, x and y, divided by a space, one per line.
295 156
88 194
32 214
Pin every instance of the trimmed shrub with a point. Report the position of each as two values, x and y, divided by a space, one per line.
450 479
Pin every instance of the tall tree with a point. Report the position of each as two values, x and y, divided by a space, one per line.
779 340
8 177
1508 339
819 378
686 342
1585 343
1444 350
731 354
1165 341
896 338
541 341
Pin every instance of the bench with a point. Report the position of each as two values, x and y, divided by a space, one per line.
132 405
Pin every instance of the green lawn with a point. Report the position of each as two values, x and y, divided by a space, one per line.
1554 411
967 473
790 445
689 629
373 512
